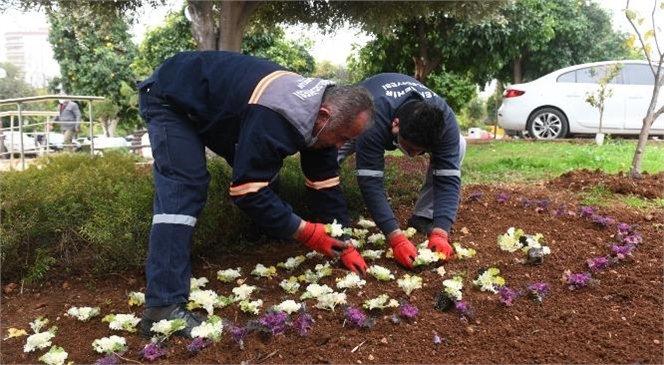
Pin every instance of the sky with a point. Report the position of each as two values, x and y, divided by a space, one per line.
335 47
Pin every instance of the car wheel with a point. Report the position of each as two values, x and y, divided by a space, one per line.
547 123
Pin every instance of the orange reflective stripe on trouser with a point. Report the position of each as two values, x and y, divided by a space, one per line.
246 188
324 184
264 83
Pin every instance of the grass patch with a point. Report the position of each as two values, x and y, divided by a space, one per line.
519 161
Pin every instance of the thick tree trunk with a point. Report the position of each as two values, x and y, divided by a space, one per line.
518 71
234 16
423 65
202 24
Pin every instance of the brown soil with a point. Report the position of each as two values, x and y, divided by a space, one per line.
619 320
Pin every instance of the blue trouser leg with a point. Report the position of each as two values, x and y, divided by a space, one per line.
181 180
424 204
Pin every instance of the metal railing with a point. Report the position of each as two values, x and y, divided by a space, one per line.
20 113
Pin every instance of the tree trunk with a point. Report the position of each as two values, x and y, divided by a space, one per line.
202 24
423 65
233 18
518 72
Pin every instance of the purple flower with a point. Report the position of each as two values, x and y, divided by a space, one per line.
111 359
436 339
197 344
303 323
598 263
463 308
152 351
601 220
624 228
525 202
542 205
539 290
507 296
274 322
475 196
633 239
562 208
409 311
621 251
578 280
503 197
587 211
357 317
237 333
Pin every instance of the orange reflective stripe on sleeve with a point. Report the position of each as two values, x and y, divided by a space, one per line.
250 187
264 83
324 184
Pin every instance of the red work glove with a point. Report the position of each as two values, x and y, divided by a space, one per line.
439 242
404 250
353 260
313 235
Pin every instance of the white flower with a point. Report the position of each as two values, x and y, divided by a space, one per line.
228 275
315 290
380 273
110 345
289 306
441 270
365 223
243 292
376 238
211 328
122 322
265 272
39 340
510 241
292 263
196 284
372 254
323 270
168 327
380 302
55 356
83 313
489 280
38 323
463 253
313 254
320 271
452 287
409 283
330 300
425 256
290 285
410 232
208 300
334 229
351 280
251 306
136 298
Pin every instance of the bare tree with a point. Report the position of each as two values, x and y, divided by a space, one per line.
656 59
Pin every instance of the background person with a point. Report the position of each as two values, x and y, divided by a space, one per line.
69 119
410 117
254 113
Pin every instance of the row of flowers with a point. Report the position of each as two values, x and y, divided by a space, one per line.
290 314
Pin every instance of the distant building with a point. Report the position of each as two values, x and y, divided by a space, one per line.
32 53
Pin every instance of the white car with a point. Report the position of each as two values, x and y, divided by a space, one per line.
11 143
103 143
554 106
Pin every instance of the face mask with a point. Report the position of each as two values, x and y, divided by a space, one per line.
315 139
403 150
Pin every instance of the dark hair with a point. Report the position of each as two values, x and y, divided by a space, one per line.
345 103
421 123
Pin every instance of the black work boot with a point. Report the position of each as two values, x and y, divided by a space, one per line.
421 224
169 312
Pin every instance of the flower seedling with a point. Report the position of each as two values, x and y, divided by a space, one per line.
507 296
290 285
208 300
210 329
409 283
274 323
292 263
502 197
380 302
304 322
197 284
136 299
376 239
329 301
243 292
409 311
122 322
228 275
539 290
366 223
55 356
289 306
315 290
619 253
463 308
372 254
251 306
112 347
350 281
576 280
462 252
39 340
357 317
237 334
264 272
425 256
198 344
381 273
152 351
489 280
83 314
598 263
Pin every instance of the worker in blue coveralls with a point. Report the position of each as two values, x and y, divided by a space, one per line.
254 113
410 117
